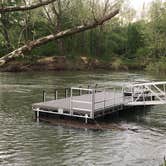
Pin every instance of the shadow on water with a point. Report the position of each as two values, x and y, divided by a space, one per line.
113 121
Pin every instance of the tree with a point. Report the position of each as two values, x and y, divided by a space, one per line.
43 40
134 39
157 28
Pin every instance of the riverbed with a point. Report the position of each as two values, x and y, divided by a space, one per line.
24 142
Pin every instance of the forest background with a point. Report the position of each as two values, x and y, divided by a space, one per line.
126 42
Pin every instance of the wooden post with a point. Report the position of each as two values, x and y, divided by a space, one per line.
96 88
66 92
89 88
44 96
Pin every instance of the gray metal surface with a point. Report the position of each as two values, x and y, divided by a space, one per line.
94 104
102 99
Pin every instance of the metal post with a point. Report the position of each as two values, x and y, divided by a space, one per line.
93 103
143 95
151 94
44 96
56 94
86 118
71 95
164 88
114 98
132 95
37 116
123 97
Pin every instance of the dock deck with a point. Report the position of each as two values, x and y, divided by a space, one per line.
83 105
92 103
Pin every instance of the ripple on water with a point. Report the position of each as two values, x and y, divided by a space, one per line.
24 142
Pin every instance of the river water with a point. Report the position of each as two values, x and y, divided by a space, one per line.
23 142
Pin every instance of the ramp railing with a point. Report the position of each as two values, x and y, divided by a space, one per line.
152 93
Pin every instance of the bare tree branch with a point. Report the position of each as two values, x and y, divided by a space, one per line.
26 7
92 4
48 17
33 44
106 6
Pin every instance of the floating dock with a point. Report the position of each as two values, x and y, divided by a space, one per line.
92 103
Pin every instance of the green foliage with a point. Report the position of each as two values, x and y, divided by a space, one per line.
135 39
117 64
139 44
158 66
157 29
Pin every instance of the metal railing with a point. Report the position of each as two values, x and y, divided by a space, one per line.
148 93
78 104
89 103
108 102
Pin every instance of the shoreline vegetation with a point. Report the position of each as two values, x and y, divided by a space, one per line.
63 63
83 63
83 35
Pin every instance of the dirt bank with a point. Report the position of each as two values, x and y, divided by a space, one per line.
56 63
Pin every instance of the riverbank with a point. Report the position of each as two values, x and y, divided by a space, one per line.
62 63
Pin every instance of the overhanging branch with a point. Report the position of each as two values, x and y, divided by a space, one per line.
23 8
33 44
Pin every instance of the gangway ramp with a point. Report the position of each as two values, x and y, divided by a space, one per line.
152 93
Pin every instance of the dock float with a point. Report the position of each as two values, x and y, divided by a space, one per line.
92 103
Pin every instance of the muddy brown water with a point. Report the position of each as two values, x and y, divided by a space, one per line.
23 142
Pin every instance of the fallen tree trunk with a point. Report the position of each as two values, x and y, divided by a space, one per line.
23 8
33 44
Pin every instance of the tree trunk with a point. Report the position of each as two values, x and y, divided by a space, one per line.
33 44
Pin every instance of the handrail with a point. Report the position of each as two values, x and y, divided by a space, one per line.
79 101
149 83
84 89
81 109
101 101
108 99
